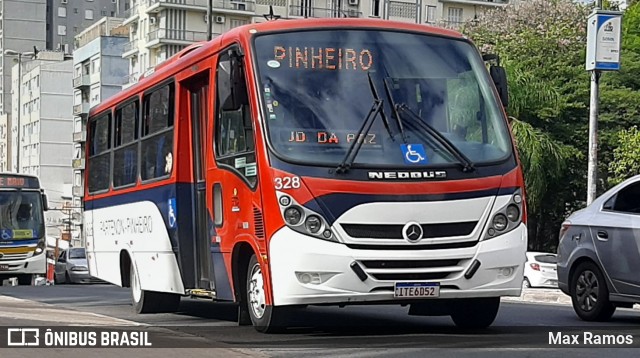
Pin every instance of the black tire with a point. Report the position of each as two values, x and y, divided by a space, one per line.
475 313
590 294
526 283
265 318
150 301
25 280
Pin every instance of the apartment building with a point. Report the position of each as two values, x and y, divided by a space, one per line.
22 26
98 72
44 139
68 18
5 142
161 28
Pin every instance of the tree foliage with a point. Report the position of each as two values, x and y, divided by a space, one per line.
542 44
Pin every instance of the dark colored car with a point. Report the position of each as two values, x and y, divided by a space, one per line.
599 253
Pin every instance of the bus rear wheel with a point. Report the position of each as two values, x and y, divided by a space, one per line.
149 301
265 318
475 313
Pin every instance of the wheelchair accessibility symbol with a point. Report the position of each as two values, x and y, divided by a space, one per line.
414 154
172 213
6 234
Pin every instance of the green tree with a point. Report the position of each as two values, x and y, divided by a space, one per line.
626 156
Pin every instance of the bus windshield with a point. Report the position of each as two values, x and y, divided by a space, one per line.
21 214
318 87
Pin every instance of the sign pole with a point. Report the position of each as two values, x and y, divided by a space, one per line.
603 54
592 170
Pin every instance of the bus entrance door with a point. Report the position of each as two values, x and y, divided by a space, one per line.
198 93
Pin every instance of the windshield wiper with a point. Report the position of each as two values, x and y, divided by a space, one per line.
395 110
467 164
354 148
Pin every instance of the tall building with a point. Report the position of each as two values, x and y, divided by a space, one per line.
161 28
46 127
98 72
68 18
5 142
22 26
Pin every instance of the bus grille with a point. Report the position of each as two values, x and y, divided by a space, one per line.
397 270
394 232
11 257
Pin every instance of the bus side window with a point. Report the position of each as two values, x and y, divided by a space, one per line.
99 152
157 133
234 129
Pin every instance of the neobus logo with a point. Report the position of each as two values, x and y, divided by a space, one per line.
431 174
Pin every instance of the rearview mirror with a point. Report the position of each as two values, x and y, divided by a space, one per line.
499 76
45 202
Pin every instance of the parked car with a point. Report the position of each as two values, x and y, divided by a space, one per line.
72 267
540 270
598 253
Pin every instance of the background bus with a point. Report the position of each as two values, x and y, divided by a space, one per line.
318 161
22 230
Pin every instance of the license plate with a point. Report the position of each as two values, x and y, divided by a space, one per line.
416 289
4 267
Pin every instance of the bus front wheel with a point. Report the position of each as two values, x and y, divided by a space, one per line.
149 301
265 318
476 313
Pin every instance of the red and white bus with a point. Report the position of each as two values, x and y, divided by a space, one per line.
301 162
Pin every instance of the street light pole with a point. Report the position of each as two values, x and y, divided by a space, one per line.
19 54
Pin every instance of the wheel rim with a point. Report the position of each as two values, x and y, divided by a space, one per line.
135 285
587 288
256 291
525 284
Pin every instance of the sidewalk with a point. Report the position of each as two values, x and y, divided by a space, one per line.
545 295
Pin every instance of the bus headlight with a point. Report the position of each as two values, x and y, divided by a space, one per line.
304 220
506 218
40 248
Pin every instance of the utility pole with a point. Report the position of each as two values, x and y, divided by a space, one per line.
209 20
603 54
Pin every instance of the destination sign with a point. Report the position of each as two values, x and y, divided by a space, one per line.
17 181
328 58
329 137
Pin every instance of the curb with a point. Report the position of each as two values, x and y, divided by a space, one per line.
540 295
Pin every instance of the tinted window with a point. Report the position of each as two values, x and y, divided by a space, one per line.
77 254
628 199
157 134
99 164
316 90
125 157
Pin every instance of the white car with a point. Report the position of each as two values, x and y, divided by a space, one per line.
540 270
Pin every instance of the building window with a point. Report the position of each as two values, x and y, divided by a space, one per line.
238 22
103 13
62 11
75 10
88 14
455 15
431 14
62 30
375 8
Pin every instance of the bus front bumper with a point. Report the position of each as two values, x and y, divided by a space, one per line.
306 270
32 265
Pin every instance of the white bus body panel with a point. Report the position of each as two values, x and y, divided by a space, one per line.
292 252
139 229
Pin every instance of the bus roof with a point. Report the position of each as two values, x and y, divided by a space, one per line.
173 64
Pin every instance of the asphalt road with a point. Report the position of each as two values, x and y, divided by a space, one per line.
331 331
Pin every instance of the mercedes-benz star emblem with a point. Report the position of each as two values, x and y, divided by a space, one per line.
412 232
